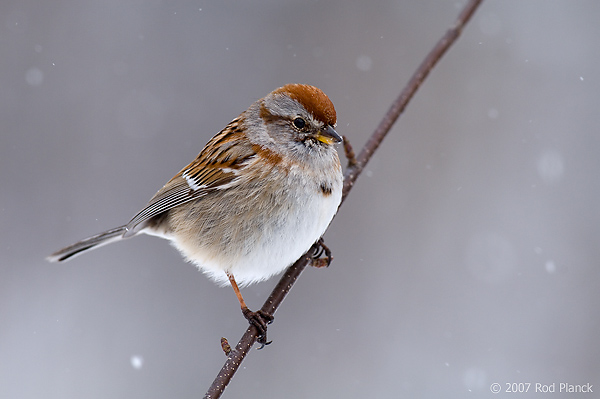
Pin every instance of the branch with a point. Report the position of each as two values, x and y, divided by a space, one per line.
406 95
237 355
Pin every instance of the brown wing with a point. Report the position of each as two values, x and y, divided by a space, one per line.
215 168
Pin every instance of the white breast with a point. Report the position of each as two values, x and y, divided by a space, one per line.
281 238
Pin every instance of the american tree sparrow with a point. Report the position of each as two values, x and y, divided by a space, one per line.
258 196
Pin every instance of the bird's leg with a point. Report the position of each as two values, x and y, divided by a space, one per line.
258 319
319 262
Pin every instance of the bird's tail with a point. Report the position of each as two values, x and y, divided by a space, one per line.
79 247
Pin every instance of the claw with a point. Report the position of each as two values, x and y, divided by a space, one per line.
319 262
260 320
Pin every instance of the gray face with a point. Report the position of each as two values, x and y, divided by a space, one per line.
291 126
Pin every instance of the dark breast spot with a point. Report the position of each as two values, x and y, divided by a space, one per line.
326 189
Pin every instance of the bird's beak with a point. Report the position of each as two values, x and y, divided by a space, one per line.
328 136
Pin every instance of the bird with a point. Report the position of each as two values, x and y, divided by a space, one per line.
260 193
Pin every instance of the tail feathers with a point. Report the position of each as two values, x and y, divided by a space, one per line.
96 241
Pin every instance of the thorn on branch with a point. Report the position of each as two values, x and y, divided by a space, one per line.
225 346
349 151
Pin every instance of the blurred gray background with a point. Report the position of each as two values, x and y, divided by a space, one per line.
467 253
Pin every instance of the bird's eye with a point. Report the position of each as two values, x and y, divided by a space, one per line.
299 123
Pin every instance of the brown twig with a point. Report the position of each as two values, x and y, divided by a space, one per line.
349 151
352 172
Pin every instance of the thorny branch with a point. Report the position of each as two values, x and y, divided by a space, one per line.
355 167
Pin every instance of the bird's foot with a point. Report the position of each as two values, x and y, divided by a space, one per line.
260 320
322 249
